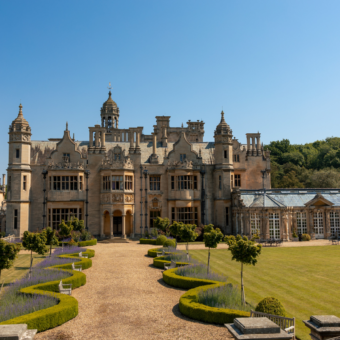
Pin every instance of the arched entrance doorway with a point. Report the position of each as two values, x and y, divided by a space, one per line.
128 223
117 223
107 228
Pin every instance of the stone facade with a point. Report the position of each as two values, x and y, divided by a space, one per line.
121 179
277 213
3 205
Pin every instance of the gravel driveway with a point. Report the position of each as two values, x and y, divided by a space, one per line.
126 298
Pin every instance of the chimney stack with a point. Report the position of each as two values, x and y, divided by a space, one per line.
4 180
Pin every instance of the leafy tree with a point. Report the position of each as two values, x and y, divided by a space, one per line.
294 157
175 229
162 224
327 178
212 237
246 252
65 229
8 253
51 238
77 225
188 234
35 242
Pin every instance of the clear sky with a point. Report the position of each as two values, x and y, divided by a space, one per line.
272 65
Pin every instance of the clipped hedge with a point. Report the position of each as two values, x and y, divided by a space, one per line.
88 243
188 302
158 262
153 252
147 241
189 307
66 309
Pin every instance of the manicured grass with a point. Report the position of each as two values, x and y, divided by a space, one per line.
304 279
21 266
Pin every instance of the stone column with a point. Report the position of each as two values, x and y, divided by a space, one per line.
91 138
123 226
103 139
102 226
154 143
133 225
131 139
258 146
284 227
248 144
96 139
253 146
137 139
266 224
311 222
111 225
327 229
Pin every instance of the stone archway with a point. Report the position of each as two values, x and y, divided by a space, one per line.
107 225
128 223
117 223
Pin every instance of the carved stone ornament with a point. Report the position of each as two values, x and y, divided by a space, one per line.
105 198
129 198
186 164
117 198
156 204
112 164
65 165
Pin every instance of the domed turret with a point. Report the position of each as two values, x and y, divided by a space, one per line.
223 128
110 114
20 123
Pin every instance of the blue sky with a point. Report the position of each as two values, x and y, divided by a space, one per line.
272 65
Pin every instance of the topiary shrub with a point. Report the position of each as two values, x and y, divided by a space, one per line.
305 237
161 240
270 305
169 243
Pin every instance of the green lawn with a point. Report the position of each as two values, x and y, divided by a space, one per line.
21 266
304 279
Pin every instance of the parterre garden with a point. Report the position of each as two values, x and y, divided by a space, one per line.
34 297
303 279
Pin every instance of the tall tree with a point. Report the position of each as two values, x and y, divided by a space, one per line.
246 252
212 237
8 253
35 242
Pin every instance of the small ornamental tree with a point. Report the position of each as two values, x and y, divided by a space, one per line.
188 234
35 242
77 225
175 229
65 229
246 252
8 253
51 238
162 224
212 237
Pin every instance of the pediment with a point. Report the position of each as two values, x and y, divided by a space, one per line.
182 146
319 201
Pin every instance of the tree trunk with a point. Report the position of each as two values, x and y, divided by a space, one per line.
243 297
208 261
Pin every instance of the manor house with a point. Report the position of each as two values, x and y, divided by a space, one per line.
121 179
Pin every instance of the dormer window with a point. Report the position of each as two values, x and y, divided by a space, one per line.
182 157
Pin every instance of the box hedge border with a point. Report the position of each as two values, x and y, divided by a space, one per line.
147 241
188 302
87 243
66 309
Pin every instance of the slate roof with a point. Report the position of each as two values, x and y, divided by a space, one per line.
287 198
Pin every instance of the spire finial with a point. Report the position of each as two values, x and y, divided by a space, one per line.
20 109
222 116
109 87
66 126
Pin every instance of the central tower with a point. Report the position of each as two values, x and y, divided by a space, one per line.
110 114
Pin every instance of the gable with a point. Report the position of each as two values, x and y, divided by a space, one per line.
319 201
182 146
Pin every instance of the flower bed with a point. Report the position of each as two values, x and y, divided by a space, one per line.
190 303
67 307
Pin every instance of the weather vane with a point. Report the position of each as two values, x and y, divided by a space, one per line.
109 87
